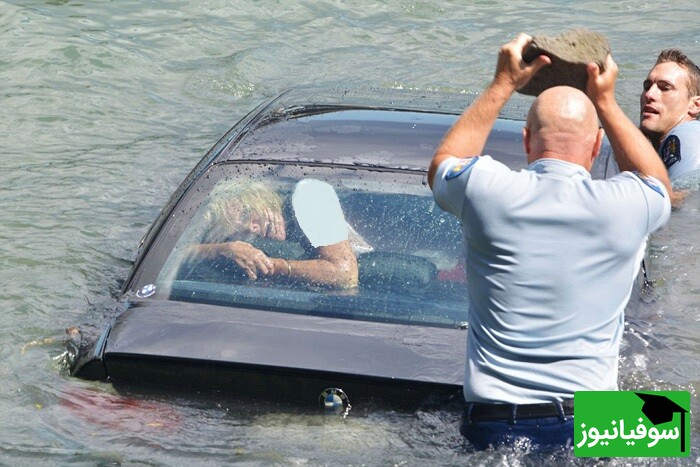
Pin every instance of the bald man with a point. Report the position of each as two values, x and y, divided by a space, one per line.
551 255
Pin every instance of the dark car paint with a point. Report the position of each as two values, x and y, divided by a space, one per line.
268 354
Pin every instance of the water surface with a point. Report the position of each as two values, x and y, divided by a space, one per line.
106 106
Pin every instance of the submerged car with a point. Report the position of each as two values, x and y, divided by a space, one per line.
399 334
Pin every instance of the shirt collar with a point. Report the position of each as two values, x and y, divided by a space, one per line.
558 167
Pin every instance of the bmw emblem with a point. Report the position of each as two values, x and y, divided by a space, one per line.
146 291
334 400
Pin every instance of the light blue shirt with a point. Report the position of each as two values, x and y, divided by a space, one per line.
551 256
680 150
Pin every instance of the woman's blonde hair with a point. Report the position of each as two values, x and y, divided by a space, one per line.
248 196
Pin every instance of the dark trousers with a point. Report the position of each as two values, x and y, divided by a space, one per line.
541 425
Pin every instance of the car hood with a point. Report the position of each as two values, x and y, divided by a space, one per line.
287 342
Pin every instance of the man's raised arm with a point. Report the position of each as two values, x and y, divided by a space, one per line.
467 136
632 150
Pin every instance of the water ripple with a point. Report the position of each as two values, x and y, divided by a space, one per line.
106 106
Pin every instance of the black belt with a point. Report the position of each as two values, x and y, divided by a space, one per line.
479 412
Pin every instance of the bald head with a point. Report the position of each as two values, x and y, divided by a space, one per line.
563 124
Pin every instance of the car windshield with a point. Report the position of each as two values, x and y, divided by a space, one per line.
409 252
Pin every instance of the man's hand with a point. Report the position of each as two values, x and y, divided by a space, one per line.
467 136
600 87
511 69
677 198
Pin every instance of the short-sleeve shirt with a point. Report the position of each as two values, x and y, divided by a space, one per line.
680 150
551 256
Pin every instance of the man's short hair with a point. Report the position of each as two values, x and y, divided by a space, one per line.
677 56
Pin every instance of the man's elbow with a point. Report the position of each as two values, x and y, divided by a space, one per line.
431 176
433 168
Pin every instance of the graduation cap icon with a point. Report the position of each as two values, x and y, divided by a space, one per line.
660 409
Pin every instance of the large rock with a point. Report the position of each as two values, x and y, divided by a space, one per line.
570 52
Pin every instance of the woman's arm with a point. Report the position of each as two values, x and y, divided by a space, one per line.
252 260
335 266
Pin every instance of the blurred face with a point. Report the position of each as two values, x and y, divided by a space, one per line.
665 101
268 225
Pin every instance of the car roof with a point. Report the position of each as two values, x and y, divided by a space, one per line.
400 134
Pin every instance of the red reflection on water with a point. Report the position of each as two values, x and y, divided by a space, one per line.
118 412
